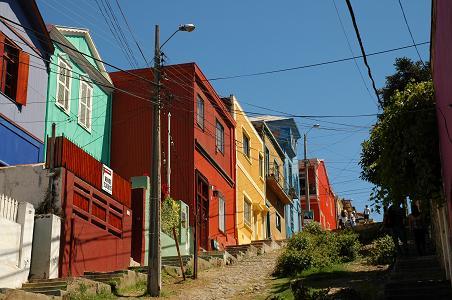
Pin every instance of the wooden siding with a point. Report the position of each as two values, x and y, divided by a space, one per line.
83 165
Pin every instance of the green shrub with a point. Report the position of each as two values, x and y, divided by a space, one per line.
316 248
170 216
382 251
348 246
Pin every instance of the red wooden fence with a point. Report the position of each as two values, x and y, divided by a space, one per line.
86 167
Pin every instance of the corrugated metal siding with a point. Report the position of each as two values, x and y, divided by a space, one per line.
83 165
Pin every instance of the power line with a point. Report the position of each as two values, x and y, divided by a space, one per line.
314 65
351 51
411 34
363 52
131 33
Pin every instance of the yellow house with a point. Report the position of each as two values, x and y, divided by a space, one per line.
250 179
273 170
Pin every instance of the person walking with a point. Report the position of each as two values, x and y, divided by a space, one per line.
417 226
343 219
395 222
366 214
353 217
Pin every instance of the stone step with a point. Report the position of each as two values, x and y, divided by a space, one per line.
44 284
50 292
112 273
413 284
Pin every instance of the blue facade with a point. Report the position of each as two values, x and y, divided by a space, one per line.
22 109
286 132
18 147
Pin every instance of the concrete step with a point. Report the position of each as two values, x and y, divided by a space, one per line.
48 292
59 283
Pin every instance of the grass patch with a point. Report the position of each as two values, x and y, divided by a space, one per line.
138 289
104 295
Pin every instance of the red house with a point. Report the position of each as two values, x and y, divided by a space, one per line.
202 148
441 63
322 199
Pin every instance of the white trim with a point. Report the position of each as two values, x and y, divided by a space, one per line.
90 109
85 33
68 67
248 200
247 175
247 120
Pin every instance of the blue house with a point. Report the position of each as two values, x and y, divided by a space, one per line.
287 134
25 48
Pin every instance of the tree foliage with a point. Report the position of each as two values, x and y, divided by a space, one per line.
170 216
407 71
401 156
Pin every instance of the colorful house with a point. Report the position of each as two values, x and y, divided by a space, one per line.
24 69
202 146
79 92
322 197
276 196
251 209
441 63
287 134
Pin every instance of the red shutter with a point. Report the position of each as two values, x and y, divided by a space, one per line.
22 78
2 51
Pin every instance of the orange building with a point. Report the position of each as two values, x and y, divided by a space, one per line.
322 198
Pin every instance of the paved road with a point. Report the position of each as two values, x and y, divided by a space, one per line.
244 280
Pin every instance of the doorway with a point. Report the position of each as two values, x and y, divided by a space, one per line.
202 211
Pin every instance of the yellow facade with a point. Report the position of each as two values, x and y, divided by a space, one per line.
276 197
250 180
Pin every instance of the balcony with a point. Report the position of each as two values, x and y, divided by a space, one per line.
312 189
274 183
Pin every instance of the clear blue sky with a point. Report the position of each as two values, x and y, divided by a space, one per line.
236 37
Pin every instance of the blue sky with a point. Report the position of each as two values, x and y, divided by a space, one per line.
237 37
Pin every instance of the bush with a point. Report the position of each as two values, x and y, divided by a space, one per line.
170 216
316 248
348 246
382 251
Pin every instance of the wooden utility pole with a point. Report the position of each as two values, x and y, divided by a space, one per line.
154 258
306 174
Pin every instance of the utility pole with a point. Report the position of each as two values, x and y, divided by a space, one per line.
168 160
154 259
306 172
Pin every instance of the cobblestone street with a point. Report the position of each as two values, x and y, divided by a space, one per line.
246 279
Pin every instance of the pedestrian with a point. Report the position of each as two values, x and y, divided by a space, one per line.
366 214
353 218
343 219
417 226
395 222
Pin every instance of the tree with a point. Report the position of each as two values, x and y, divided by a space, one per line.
407 71
401 156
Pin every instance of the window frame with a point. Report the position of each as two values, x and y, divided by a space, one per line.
261 165
69 68
219 140
278 221
276 169
200 118
90 87
246 202
9 61
221 214
246 152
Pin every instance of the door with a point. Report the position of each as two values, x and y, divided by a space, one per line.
202 211
269 234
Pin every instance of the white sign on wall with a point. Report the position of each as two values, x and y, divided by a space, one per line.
107 179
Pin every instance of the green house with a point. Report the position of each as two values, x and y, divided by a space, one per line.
79 93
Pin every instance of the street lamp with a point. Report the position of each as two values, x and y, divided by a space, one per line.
306 170
154 281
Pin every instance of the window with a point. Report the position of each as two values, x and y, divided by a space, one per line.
14 66
221 213
247 211
200 112
246 145
63 85
276 169
267 161
278 221
261 165
85 104
290 175
219 137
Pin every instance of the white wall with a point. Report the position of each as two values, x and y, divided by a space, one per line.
46 247
16 236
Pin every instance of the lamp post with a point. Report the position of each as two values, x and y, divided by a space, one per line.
306 170
154 280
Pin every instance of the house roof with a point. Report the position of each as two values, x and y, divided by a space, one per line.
280 120
261 125
34 15
98 74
